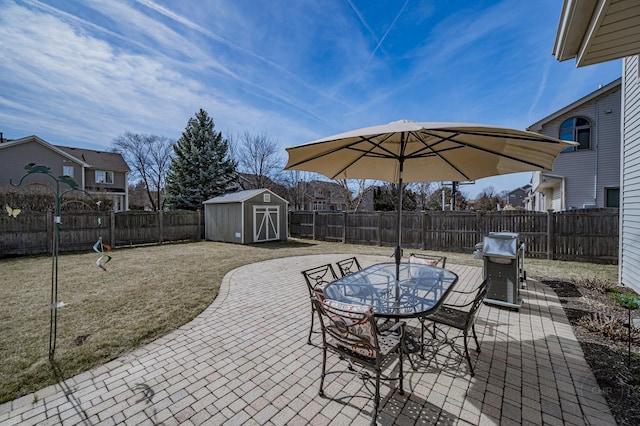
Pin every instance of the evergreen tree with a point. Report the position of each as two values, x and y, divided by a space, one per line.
201 167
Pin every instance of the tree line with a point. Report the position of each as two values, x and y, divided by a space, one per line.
202 163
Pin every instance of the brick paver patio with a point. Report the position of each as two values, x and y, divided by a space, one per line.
245 360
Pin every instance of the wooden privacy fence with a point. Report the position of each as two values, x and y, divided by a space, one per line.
32 232
585 235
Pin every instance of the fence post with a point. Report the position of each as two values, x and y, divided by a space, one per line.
313 224
199 235
112 219
550 231
425 222
160 217
344 227
479 228
379 228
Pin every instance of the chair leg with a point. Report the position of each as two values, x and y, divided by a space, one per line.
401 372
422 327
466 352
376 401
313 314
324 369
473 329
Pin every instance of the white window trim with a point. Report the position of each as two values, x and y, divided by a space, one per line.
106 173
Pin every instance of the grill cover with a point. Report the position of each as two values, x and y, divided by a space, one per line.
501 245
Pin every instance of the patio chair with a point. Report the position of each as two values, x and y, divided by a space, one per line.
458 316
351 332
316 278
428 259
348 266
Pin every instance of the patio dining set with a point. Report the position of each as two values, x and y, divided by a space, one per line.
363 315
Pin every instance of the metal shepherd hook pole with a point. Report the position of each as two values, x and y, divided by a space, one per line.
31 169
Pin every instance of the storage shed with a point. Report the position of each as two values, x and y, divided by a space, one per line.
245 217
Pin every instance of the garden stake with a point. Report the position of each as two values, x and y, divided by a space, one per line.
55 304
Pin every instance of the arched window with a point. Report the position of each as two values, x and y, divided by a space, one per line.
576 129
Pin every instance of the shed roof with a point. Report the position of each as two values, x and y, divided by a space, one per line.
240 196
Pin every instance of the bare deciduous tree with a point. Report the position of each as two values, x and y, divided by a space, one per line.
149 156
361 187
423 191
258 156
296 183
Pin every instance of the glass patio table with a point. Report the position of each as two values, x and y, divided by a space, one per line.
418 292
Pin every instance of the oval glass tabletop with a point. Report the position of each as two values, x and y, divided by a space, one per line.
419 290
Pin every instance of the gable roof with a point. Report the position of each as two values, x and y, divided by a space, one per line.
240 196
111 161
34 138
537 126
88 158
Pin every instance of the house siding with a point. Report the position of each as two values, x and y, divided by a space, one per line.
588 172
630 176
15 159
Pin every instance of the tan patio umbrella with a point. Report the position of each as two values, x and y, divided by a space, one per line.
409 151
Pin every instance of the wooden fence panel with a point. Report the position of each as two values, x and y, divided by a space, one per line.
179 226
586 235
32 232
136 227
303 225
27 233
575 235
362 228
80 230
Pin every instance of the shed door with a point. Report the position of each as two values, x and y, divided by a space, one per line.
266 223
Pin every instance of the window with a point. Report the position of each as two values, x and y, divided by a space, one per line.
104 176
320 205
576 129
67 171
612 197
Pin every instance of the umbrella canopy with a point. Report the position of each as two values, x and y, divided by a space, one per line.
408 151
426 152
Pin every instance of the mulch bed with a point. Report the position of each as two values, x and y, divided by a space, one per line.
601 327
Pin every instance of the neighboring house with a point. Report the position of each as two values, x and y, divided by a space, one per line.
517 197
595 32
588 175
96 172
324 196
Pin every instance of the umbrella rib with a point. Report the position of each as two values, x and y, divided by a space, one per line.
437 153
350 147
509 157
365 153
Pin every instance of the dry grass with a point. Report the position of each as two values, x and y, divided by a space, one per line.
145 293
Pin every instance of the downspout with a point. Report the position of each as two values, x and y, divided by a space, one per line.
126 191
595 176
563 200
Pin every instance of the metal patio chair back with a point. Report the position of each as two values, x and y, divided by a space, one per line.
461 317
428 259
348 266
350 331
316 278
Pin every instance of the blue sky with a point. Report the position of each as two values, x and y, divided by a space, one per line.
80 73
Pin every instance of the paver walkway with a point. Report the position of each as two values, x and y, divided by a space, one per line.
245 360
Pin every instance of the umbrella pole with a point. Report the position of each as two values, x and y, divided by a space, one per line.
398 253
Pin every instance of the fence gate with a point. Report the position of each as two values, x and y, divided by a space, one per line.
266 223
